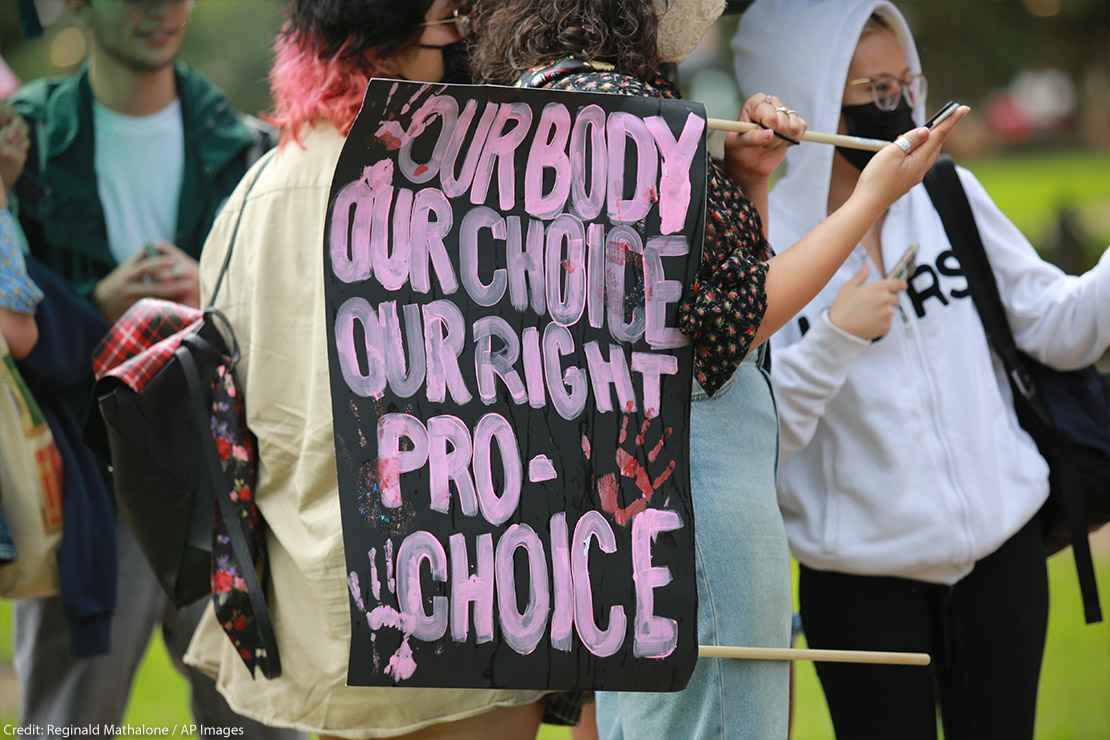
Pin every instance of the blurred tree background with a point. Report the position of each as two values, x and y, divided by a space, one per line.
1037 73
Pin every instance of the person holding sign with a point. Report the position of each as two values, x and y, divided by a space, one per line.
908 486
741 295
273 297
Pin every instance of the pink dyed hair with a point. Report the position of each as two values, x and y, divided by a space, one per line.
308 89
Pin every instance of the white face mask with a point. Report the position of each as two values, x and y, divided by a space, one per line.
683 24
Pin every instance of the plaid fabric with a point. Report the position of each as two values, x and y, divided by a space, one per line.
143 341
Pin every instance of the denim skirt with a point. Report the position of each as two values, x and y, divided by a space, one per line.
743 578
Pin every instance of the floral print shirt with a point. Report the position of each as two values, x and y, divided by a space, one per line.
725 305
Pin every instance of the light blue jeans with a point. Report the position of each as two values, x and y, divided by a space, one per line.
743 577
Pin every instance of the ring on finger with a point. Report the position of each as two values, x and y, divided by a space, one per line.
782 109
904 144
791 112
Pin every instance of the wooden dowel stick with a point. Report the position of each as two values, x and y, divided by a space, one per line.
820 656
848 142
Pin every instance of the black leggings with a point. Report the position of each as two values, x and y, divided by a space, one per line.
986 635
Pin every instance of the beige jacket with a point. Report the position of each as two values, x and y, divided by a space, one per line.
274 298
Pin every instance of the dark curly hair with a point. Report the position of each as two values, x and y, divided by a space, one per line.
513 36
350 28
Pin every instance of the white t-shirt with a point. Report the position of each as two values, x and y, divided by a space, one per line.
140 163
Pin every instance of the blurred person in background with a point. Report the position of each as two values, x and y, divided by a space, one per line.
741 295
130 159
18 294
273 296
910 491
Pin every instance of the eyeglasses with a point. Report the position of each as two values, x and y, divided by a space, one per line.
460 19
887 90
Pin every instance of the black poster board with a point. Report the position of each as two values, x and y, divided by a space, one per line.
510 390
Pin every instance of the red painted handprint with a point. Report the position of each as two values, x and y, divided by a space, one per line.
608 487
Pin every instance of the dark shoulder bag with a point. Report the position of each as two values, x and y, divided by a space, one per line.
1066 413
185 464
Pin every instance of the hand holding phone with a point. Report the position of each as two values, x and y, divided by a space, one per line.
945 111
905 264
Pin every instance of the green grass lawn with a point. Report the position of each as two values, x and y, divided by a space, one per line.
1075 683
1075 686
1029 189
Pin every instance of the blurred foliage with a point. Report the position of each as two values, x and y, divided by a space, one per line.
230 41
969 48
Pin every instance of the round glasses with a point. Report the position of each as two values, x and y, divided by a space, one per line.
887 90
460 19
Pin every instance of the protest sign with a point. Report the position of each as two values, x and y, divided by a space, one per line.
511 393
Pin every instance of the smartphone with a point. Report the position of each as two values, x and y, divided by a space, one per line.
945 111
904 265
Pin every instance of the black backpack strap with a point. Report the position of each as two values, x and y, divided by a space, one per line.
217 488
268 157
950 200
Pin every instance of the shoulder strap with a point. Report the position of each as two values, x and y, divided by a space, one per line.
265 162
950 200
216 486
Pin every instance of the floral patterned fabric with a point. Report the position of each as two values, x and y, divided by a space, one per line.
725 305
238 455
17 292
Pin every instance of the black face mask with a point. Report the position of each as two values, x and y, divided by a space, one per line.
870 122
456 62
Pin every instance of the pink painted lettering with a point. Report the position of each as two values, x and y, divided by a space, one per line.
391 428
445 467
587 204
497 509
566 389
525 265
456 186
443 352
654 636
370 382
678 156
612 372
522 630
619 128
418 547
652 367
467 589
601 643
500 364
484 294
548 152
427 236
566 278
501 146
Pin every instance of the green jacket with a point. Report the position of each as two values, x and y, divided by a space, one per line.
58 201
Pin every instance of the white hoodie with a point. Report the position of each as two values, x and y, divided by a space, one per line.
903 457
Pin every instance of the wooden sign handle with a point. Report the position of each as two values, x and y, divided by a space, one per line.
848 142
820 656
